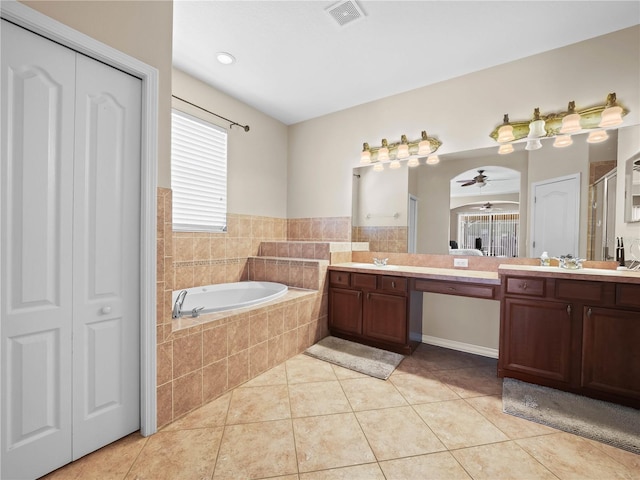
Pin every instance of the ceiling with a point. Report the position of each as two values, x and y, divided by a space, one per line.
295 62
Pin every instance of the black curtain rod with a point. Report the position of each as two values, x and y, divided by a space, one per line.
246 127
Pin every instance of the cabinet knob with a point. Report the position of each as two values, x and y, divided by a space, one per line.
105 310
524 285
568 309
339 278
393 284
589 313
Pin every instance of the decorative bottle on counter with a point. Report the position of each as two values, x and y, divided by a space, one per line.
544 259
621 255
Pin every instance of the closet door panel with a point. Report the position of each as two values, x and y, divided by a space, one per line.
36 196
106 256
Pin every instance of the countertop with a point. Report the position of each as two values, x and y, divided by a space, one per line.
426 273
594 274
490 278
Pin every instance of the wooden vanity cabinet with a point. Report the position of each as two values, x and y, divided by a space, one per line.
581 336
371 309
611 351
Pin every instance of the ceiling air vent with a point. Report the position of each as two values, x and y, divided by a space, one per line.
345 12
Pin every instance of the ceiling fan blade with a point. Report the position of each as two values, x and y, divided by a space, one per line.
469 182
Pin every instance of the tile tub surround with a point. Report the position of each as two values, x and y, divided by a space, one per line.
188 372
203 358
327 229
382 239
202 258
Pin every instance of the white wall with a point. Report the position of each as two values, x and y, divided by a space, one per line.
257 159
380 197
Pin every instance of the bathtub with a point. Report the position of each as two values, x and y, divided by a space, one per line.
227 296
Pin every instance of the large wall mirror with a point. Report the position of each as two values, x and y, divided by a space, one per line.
426 209
632 190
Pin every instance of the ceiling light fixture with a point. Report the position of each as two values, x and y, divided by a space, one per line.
402 150
571 121
562 141
612 114
536 127
225 58
365 156
560 125
505 132
597 136
433 160
383 151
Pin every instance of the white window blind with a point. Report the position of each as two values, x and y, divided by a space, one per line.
198 174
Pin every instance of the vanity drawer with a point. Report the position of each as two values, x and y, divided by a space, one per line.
393 284
580 290
628 295
525 286
339 278
456 288
362 280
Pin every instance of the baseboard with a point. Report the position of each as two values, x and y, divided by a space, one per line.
460 346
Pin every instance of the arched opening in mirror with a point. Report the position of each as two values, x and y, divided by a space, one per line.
485 212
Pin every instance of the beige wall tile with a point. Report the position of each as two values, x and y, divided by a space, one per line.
164 362
214 344
187 393
258 359
238 335
187 354
215 380
238 368
164 399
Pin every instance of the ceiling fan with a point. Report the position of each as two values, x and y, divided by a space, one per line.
487 207
480 180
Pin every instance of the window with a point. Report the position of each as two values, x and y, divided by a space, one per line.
496 234
198 174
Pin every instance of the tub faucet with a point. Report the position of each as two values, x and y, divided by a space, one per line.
177 305
196 312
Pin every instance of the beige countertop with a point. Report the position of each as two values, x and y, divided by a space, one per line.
426 273
594 274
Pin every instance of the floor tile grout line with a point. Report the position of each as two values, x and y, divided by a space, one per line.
224 430
293 430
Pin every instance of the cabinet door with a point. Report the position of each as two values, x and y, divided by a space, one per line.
385 317
345 310
610 352
537 338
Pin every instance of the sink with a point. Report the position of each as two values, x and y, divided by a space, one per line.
371 265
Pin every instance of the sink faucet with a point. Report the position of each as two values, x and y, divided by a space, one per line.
177 305
380 262
196 312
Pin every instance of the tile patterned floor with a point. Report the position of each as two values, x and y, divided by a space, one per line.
438 416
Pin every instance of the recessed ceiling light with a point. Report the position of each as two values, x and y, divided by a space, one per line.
225 58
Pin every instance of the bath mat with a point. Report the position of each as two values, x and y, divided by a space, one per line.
605 422
355 356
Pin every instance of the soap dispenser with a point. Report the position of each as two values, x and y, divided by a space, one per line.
545 260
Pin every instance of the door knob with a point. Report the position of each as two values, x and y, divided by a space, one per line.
105 310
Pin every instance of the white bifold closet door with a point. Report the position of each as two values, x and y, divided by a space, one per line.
70 208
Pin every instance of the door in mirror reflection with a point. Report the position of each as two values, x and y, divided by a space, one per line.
555 216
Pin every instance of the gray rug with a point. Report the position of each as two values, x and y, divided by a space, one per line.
602 421
354 356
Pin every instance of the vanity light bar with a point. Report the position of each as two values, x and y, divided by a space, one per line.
403 150
607 115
